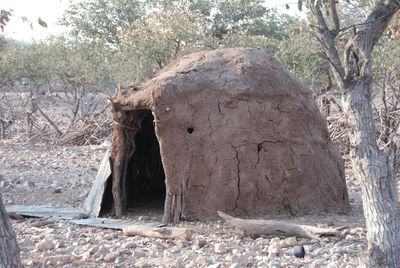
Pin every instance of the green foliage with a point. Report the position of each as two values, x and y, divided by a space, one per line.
102 21
304 58
385 57
42 23
164 35
250 16
122 41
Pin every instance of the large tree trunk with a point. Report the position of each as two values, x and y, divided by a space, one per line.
374 169
9 250
375 172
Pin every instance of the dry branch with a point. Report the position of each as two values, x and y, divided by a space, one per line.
51 122
280 228
162 232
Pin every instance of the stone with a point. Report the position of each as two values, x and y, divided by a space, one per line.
274 250
70 235
336 249
241 259
202 261
4 183
220 248
30 262
143 218
179 264
182 243
100 253
199 243
45 245
291 241
131 245
275 239
85 256
93 249
138 253
110 257
58 260
27 243
29 184
108 237
299 251
216 265
60 244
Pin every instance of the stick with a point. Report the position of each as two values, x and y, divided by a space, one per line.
162 232
280 228
178 206
167 208
49 120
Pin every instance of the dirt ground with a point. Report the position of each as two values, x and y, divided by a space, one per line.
34 172
62 176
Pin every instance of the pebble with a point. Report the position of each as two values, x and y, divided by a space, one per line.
291 241
220 248
45 245
58 260
199 243
216 265
274 250
143 218
336 249
100 253
241 259
275 239
138 253
110 257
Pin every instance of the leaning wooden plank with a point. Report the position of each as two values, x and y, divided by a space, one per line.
47 211
113 223
162 232
93 200
279 228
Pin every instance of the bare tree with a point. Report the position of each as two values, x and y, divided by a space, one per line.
374 169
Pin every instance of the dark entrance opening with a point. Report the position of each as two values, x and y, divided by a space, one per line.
145 179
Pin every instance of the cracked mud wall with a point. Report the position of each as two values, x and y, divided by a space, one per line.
238 133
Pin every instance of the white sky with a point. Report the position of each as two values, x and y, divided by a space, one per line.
51 10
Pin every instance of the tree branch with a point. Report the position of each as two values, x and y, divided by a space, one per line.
377 21
364 38
335 16
326 38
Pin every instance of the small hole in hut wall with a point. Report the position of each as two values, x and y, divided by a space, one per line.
190 130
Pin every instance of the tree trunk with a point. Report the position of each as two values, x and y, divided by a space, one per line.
9 250
375 171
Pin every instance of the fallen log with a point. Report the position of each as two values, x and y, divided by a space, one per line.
280 228
161 232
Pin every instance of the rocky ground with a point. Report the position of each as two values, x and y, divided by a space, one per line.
62 176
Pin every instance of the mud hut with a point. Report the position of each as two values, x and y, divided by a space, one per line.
227 130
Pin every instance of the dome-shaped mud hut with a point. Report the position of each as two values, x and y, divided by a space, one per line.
227 130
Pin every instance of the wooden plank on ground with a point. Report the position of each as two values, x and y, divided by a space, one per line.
47 211
93 201
113 223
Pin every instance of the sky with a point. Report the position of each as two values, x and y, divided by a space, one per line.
51 10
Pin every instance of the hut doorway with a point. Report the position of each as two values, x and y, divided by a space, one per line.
145 179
